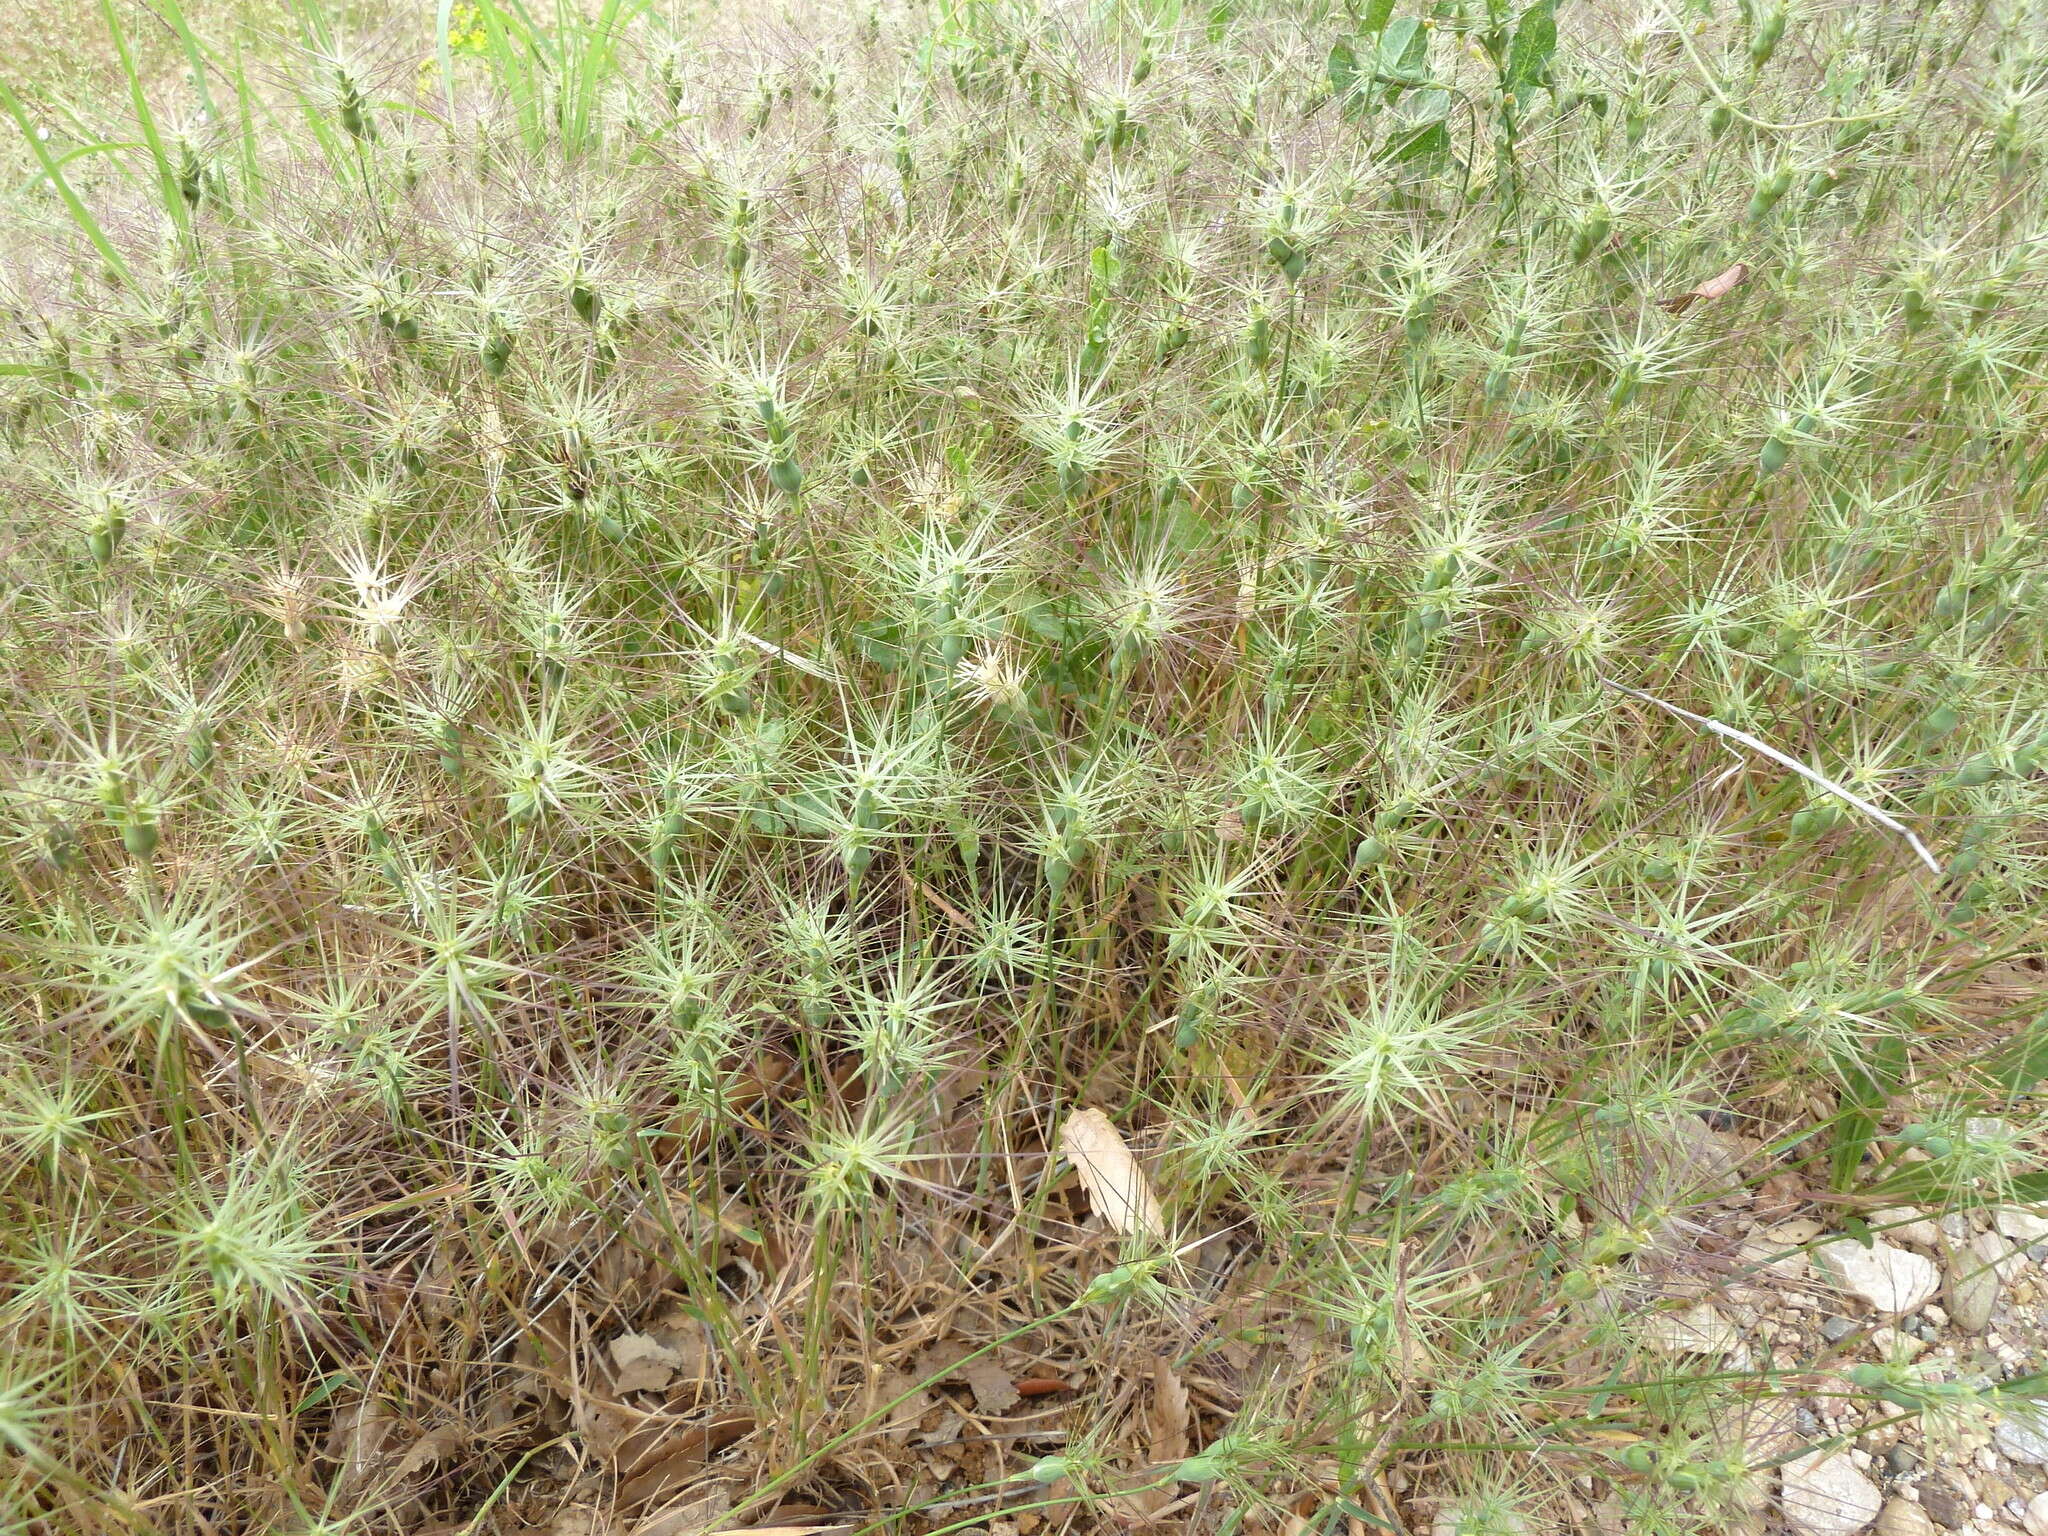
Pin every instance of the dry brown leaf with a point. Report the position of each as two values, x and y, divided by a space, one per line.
952 1360
642 1363
1718 286
1167 1421
701 1512
434 1447
1116 1185
1168 1417
609 1430
359 1440
544 1352
902 1419
994 1391
666 1465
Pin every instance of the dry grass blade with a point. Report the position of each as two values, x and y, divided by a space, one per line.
1718 286
1116 1185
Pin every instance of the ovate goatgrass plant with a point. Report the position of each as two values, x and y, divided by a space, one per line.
633 660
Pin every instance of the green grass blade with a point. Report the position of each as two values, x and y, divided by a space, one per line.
444 56
1868 1084
80 214
77 152
166 175
195 53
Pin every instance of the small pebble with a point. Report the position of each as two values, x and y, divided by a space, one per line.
2036 1517
1946 1502
1902 1517
1836 1329
1901 1459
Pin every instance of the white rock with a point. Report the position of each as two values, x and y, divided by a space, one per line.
1824 1495
1902 1517
2037 1515
1906 1224
1770 1430
1747 1302
1716 1158
1973 1281
1892 1280
1780 1250
2012 1261
2021 1223
1698 1330
1891 1344
2024 1438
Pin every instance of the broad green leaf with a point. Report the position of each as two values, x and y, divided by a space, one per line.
1420 132
1533 48
1404 51
1343 68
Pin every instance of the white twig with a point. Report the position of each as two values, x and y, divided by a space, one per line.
1730 733
769 648
801 663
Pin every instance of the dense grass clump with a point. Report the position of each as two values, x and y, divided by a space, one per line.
631 668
